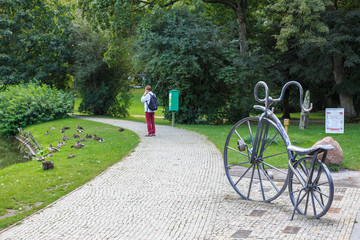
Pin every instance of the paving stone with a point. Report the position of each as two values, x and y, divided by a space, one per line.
173 186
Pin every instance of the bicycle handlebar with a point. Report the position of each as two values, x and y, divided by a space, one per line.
269 100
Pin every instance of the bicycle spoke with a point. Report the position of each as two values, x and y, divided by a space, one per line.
321 184
243 174
304 168
237 151
264 138
313 203
273 155
318 176
238 134
301 175
277 169
267 176
250 132
251 180
271 141
238 164
262 188
316 198
306 203
321 193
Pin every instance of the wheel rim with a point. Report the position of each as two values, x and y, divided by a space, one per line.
314 199
256 178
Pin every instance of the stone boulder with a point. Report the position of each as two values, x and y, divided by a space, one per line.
334 156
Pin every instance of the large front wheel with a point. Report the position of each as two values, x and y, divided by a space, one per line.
256 169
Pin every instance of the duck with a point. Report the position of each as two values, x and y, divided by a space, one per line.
66 128
71 155
64 138
78 145
88 136
76 136
62 130
101 140
61 144
40 158
52 128
53 149
49 155
47 132
96 137
82 140
79 128
120 129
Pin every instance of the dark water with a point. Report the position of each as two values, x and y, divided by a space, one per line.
12 152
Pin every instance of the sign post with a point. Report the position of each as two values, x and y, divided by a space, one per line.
334 120
173 103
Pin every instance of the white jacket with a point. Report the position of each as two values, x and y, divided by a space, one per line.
145 99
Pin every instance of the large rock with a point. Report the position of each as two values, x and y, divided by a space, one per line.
334 156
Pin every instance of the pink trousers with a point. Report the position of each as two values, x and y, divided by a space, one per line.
150 122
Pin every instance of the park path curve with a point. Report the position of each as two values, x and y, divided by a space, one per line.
173 186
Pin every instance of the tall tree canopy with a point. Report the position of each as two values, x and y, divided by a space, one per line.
34 42
325 34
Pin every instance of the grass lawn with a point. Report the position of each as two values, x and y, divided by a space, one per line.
349 141
26 187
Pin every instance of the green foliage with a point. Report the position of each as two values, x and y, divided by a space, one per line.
34 42
104 87
26 104
302 20
176 50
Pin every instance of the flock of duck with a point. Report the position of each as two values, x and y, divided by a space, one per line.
78 144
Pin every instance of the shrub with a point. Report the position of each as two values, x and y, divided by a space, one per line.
26 104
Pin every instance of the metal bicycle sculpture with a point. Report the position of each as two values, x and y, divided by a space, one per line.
256 153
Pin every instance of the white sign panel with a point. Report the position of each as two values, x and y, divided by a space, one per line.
334 120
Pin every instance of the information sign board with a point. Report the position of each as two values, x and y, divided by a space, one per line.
334 120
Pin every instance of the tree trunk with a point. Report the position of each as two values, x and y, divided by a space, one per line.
286 110
346 101
242 31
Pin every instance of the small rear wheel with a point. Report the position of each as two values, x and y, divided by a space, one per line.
262 177
314 198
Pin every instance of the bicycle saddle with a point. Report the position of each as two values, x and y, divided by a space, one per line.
309 151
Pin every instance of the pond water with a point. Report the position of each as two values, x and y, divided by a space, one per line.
12 152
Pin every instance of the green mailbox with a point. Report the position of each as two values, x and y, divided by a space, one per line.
173 100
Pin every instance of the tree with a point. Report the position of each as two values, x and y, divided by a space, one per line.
104 86
326 41
34 42
240 7
177 50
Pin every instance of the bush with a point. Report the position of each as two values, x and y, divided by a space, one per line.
26 104
103 85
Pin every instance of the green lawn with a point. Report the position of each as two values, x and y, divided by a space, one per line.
349 141
26 187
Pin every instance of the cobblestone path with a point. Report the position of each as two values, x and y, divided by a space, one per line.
173 186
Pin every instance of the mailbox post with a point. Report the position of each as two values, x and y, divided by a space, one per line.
173 103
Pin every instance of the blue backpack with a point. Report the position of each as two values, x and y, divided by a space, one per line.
153 103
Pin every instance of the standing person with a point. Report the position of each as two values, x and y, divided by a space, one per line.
149 114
